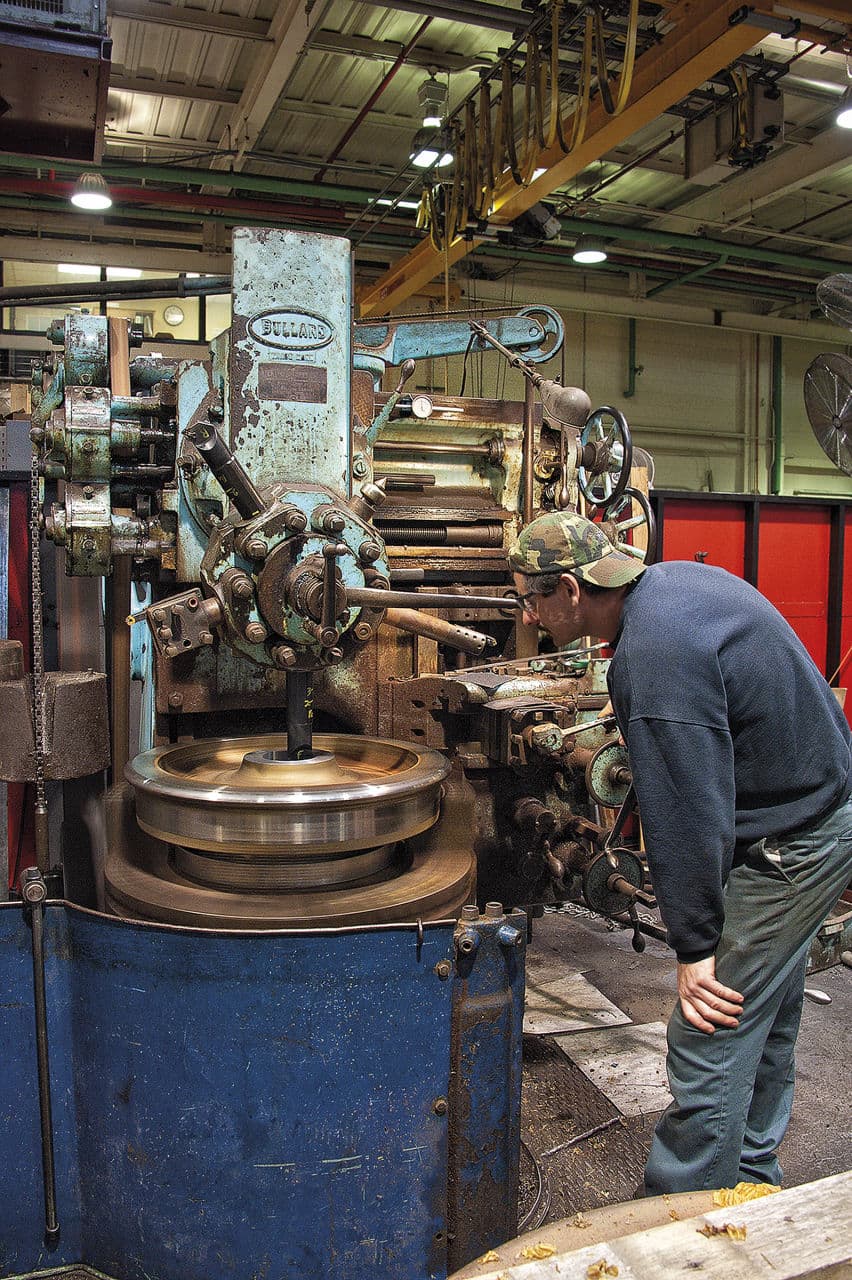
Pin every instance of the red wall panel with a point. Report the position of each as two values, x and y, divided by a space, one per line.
793 570
717 528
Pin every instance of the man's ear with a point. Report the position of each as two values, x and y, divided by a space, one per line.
572 586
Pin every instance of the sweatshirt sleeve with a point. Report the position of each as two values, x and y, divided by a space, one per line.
684 778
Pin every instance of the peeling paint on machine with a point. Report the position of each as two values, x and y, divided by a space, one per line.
284 356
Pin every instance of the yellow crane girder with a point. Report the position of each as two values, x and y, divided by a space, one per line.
700 43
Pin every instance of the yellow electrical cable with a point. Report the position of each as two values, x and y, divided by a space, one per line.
584 88
554 125
625 82
508 122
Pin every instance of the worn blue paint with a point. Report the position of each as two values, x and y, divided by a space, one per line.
231 1105
536 333
485 1129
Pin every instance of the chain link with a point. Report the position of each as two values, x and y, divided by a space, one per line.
38 633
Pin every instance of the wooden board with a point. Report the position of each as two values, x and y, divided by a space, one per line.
803 1232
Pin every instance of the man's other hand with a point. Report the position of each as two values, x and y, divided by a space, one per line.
705 1003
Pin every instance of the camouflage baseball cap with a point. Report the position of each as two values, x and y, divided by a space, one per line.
563 542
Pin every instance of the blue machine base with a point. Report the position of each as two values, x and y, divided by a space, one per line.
260 1105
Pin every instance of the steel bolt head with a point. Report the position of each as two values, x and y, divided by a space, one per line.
255 632
440 1106
284 656
295 520
362 631
242 587
88 491
33 888
175 699
257 548
369 552
360 466
443 969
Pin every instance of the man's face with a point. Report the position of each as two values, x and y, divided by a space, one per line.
559 613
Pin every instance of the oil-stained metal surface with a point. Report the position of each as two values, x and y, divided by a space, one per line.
72 699
485 1110
56 64
230 1105
290 361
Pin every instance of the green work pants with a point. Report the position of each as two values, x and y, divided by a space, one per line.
733 1090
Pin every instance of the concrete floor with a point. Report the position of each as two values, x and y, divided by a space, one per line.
565 1096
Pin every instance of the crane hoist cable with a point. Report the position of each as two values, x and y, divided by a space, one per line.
616 106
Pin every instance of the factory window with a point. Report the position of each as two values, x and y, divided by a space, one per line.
36 319
161 319
218 314
164 319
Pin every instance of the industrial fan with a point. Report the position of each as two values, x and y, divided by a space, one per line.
828 379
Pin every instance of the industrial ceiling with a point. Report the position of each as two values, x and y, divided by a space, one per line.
698 139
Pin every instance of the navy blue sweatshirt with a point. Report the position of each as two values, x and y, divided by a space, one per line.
732 733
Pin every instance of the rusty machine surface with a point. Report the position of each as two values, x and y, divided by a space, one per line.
321 554
351 771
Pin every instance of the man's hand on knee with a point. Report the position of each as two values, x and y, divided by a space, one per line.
705 1003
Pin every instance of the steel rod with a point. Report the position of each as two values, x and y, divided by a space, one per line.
300 715
34 894
463 638
378 597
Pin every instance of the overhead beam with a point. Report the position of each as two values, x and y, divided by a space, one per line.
700 44
834 10
172 89
779 175
389 51
289 31
498 16
201 20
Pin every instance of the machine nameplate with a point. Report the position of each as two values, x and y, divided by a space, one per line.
290 330
302 383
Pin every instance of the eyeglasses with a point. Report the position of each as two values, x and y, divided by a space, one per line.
528 598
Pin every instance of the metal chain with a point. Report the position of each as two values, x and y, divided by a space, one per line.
38 635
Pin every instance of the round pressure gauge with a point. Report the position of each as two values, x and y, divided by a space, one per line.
421 406
173 314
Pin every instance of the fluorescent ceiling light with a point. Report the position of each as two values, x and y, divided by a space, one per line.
77 269
844 115
124 273
91 193
538 173
428 150
589 250
400 204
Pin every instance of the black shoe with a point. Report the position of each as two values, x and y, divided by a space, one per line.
641 1192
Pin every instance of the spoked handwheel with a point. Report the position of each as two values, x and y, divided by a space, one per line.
607 452
627 516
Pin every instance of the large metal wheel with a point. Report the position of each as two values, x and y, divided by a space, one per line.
232 833
245 796
625 517
607 434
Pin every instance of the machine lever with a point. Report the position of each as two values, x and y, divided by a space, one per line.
225 467
637 941
330 551
34 893
614 833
